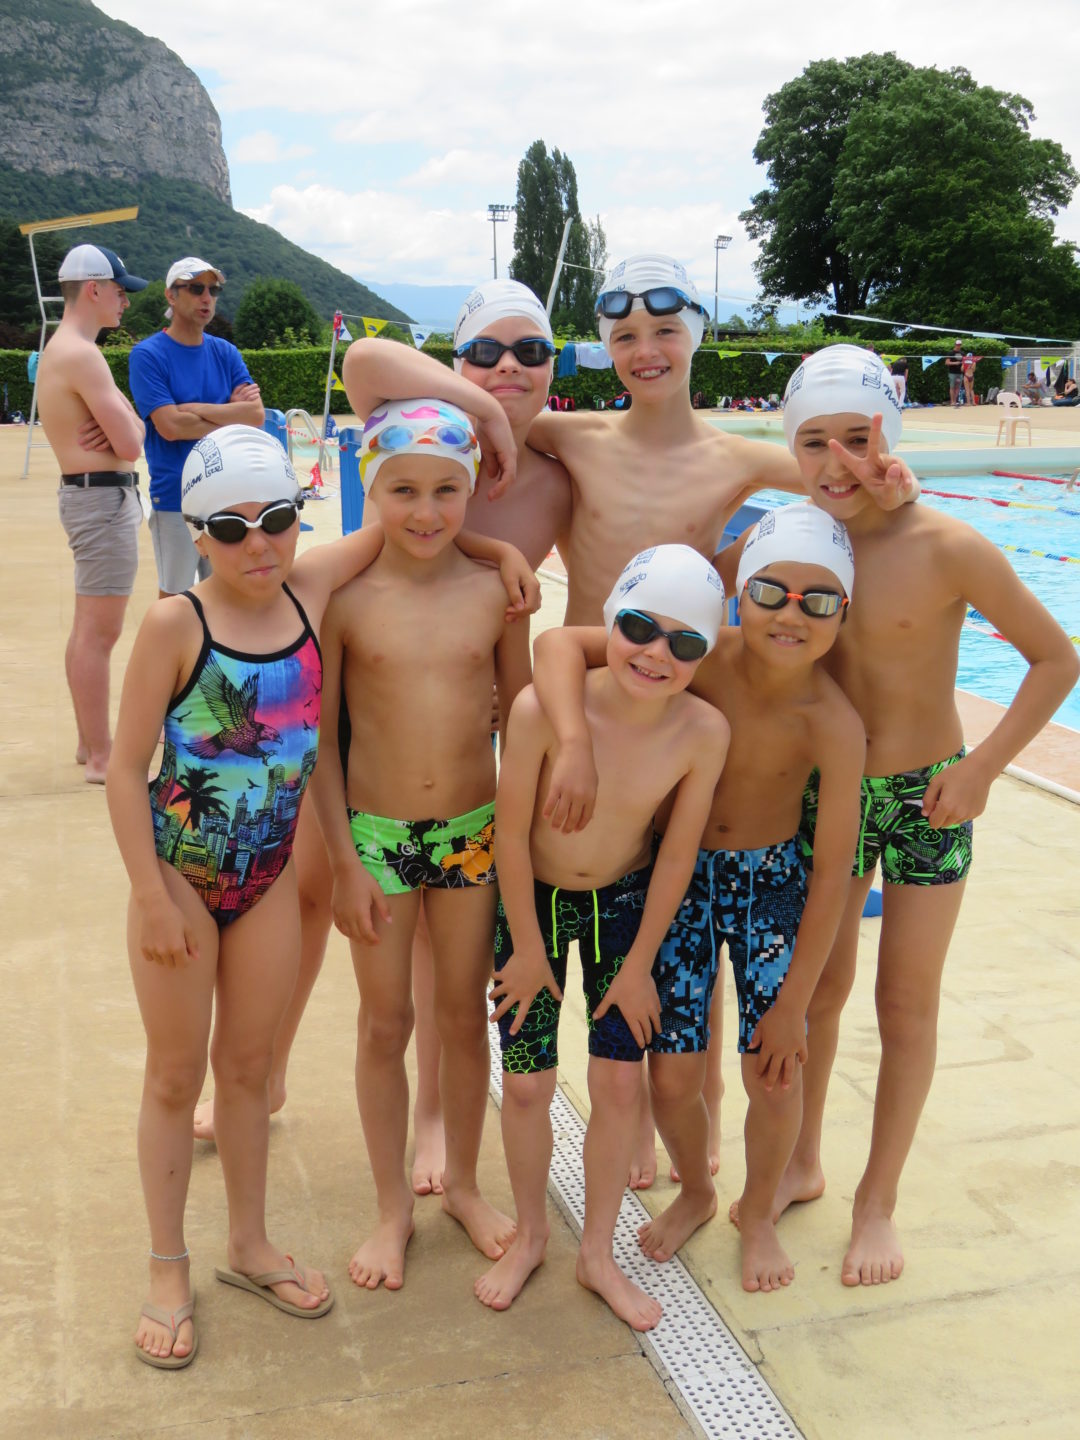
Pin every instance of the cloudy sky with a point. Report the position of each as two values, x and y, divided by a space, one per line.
376 134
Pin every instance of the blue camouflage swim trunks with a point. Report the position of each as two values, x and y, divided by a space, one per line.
751 899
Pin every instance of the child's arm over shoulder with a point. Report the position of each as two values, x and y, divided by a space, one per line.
518 577
166 645
633 990
528 971
559 435
357 896
562 655
378 370
513 666
325 568
984 578
839 746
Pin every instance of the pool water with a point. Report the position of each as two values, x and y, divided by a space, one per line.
1040 517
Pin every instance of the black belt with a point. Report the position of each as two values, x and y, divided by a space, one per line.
94 478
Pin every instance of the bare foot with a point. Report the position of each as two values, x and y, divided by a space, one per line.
629 1301
381 1258
670 1230
170 1287
203 1125
429 1158
82 754
874 1256
500 1286
643 1161
765 1265
797 1187
95 770
489 1229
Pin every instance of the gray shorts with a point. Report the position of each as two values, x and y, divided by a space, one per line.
102 528
178 562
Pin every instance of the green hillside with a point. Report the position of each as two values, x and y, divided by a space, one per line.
178 218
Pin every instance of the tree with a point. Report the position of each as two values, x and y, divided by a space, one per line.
194 786
949 203
913 193
806 122
546 198
274 313
18 301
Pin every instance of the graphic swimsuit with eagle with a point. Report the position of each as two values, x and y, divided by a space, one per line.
241 739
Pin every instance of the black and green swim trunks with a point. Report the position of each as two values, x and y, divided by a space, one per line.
427 854
893 829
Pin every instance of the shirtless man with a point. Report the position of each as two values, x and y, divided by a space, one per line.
95 435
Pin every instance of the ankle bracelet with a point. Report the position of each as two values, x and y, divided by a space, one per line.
182 1256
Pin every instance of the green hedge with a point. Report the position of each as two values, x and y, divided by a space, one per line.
291 378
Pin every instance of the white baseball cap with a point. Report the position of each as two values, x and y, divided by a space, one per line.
94 262
188 268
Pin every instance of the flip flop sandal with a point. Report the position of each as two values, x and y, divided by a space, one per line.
260 1285
172 1322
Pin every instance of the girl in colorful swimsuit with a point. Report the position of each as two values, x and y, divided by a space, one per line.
233 669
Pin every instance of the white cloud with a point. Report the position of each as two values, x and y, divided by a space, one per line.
262 147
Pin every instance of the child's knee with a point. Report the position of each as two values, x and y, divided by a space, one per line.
523 1093
675 1078
175 1082
244 1068
616 1082
384 1032
462 1021
906 1016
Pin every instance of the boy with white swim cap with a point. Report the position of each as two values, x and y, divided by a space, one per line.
415 645
601 887
749 886
896 661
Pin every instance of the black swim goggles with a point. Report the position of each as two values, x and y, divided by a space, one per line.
641 629
486 353
658 300
230 529
818 604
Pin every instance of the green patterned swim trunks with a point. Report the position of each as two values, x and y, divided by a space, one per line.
427 854
893 829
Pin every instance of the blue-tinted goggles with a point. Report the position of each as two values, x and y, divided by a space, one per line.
658 300
486 352
641 629
401 437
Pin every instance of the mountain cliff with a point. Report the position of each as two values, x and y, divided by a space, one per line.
80 91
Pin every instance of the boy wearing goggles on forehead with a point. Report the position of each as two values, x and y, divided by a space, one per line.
601 887
415 645
896 661
749 887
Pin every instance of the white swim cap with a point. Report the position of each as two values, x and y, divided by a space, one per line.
672 580
235 465
418 427
494 301
842 380
645 272
800 534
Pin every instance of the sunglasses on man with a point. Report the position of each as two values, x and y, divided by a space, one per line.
230 529
197 287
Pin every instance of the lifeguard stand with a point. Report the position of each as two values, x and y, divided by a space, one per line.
37 227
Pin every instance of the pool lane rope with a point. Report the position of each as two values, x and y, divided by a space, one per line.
972 623
1025 475
1005 504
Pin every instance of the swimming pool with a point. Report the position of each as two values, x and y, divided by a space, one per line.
1039 517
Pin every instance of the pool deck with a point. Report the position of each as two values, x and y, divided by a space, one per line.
977 1339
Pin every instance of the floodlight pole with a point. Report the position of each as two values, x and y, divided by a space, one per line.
499 215
35 227
721 242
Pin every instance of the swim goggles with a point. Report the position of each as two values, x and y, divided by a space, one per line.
406 437
486 353
658 300
818 604
230 529
641 629
197 287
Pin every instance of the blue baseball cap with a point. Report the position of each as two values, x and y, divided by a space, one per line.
94 262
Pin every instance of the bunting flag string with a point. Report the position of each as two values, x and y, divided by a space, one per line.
343 332
928 360
419 334
335 384
372 327
771 355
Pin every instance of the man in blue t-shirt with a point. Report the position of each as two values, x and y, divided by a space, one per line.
185 384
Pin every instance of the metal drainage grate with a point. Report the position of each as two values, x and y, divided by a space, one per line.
693 1348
